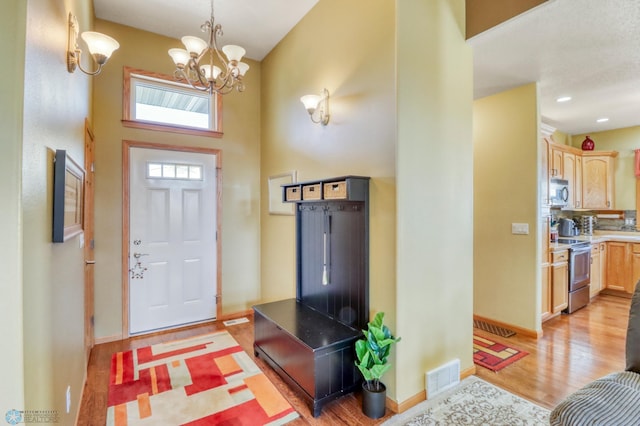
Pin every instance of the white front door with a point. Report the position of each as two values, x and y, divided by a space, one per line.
172 238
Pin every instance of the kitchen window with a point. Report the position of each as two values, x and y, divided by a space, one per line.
158 102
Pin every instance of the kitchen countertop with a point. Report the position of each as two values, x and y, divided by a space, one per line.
600 237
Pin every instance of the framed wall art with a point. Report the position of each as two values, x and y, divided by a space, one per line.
68 197
276 206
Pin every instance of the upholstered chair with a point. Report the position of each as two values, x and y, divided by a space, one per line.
613 399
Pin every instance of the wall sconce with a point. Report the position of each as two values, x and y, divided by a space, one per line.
317 104
100 47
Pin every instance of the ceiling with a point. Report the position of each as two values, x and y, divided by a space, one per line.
586 49
256 25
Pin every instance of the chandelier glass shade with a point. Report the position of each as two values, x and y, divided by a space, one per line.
195 63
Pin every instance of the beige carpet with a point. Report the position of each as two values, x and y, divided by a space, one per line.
473 402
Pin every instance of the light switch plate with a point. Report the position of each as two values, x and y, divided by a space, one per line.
520 228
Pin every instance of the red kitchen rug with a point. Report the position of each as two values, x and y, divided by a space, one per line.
494 356
203 380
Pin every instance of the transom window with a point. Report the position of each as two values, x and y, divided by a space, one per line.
157 102
174 171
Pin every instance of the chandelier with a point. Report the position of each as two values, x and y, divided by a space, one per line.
195 63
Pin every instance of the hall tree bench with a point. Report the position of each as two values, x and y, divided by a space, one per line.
309 341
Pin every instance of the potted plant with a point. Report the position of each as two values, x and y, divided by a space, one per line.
372 352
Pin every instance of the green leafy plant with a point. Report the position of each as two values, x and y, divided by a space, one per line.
373 350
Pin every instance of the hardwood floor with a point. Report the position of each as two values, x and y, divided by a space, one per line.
574 350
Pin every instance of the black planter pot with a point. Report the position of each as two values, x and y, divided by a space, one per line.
374 402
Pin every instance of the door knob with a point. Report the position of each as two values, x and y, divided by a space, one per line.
139 255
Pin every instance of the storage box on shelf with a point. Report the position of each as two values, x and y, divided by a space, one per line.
311 192
293 193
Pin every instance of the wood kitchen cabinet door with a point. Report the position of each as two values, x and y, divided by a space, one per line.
619 268
555 159
569 174
559 281
635 268
545 308
596 276
597 177
577 186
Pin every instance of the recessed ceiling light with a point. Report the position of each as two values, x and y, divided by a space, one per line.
602 120
563 99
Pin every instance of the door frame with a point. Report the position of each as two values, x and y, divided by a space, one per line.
126 145
89 235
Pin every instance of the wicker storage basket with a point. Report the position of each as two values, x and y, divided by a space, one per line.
312 192
293 193
335 190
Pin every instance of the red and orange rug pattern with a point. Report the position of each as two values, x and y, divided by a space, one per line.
203 380
494 356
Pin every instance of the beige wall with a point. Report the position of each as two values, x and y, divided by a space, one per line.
12 39
359 139
351 53
435 191
625 141
560 137
240 182
426 290
505 154
55 107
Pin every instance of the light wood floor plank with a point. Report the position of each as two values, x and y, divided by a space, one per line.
574 350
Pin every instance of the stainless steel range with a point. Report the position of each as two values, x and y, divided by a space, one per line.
579 273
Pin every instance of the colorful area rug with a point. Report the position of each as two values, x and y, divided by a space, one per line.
473 402
204 380
494 356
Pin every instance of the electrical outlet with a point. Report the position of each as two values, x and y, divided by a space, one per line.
520 228
68 399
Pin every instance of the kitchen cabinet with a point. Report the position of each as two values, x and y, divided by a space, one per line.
635 268
598 180
590 175
556 161
578 184
543 163
569 174
623 266
603 265
559 281
596 268
545 308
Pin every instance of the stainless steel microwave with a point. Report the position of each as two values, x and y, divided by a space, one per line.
558 192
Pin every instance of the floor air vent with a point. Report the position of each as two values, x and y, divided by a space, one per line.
442 378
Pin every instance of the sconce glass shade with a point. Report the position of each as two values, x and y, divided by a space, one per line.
310 102
233 52
317 106
100 46
180 56
194 45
